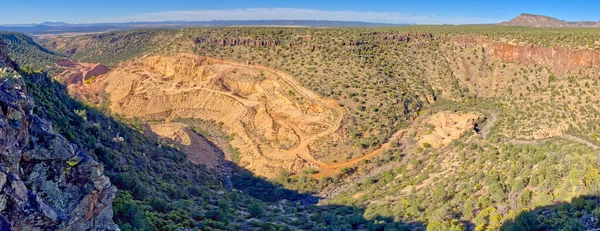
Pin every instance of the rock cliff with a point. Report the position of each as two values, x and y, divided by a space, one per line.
307 41
78 73
46 183
560 59
5 62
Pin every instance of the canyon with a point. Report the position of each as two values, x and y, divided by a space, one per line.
272 119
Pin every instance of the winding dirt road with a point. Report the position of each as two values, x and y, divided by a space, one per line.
302 150
330 169
294 125
485 131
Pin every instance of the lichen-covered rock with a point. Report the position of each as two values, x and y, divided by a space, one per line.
46 183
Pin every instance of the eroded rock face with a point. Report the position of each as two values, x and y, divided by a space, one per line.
561 60
237 42
46 183
76 73
274 120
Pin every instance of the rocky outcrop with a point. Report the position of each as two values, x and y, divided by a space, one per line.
248 42
545 21
5 62
406 37
67 63
237 42
46 183
95 70
559 59
77 73
3 53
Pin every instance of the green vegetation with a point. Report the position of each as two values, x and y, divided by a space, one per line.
90 80
483 181
113 47
162 176
580 213
488 188
159 189
381 81
24 51
537 147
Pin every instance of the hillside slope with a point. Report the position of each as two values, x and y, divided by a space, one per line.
158 186
113 47
456 127
47 182
25 51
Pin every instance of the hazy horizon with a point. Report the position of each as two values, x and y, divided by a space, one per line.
431 12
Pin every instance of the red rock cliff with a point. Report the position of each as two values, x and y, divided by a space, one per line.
559 59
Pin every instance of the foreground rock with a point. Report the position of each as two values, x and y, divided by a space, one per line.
46 183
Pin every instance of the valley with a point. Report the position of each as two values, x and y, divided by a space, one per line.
273 119
404 128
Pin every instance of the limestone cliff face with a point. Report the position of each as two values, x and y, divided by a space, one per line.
46 183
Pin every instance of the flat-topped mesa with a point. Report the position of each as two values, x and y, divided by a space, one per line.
533 20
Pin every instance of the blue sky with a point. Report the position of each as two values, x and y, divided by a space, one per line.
413 11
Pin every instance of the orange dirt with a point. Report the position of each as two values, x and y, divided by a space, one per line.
273 118
332 169
446 127
76 72
197 147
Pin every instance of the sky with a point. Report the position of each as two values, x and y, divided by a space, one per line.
381 11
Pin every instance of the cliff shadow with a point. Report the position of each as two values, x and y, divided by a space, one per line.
160 189
582 213
308 214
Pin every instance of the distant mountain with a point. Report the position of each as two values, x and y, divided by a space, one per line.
545 21
54 24
61 27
